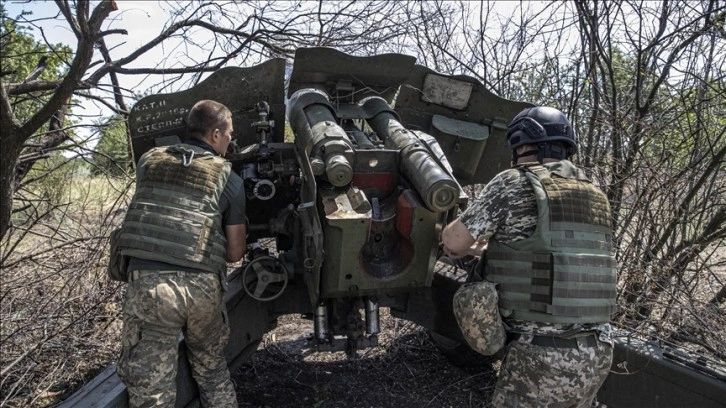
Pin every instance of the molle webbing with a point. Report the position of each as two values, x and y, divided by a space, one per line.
198 180
174 216
575 201
565 271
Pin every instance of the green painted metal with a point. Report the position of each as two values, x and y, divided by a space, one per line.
353 205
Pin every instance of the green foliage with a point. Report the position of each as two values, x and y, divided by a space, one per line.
20 54
27 57
111 155
50 179
693 129
289 135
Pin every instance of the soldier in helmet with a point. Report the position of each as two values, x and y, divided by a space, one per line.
185 221
548 267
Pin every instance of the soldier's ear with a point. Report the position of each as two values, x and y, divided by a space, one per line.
216 134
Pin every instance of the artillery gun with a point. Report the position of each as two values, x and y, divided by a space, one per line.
344 218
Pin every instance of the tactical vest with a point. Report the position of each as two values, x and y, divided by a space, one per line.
174 216
565 271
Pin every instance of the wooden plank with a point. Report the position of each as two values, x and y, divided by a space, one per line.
105 390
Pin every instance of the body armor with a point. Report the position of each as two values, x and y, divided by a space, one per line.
174 216
565 271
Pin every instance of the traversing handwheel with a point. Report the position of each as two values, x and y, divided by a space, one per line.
265 278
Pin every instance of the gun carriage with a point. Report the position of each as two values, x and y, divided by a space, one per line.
344 212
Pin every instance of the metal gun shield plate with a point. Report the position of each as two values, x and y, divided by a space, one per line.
159 120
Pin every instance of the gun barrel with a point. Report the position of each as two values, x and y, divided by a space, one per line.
317 132
436 187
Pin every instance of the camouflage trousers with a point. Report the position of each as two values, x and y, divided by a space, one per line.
158 307
541 376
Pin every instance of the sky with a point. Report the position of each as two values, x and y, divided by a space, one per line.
143 20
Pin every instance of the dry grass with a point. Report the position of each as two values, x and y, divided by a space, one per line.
685 314
60 314
60 322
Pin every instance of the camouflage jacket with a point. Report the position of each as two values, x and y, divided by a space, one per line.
507 209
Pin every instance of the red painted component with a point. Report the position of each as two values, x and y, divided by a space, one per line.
383 182
405 207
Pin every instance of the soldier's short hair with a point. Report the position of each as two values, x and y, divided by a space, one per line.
205 116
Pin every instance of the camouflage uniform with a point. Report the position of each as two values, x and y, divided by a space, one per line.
165 300
158 307
480 323
535 375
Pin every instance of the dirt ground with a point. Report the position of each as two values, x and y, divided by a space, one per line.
405 370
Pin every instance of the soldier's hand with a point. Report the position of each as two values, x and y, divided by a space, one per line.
451 254
477 248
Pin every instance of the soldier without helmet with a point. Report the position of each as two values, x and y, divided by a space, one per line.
185 221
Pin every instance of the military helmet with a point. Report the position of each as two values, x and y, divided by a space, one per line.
541 125
476 311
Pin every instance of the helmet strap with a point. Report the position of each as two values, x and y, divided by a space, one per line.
544 150
555 151
516 156
541 150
